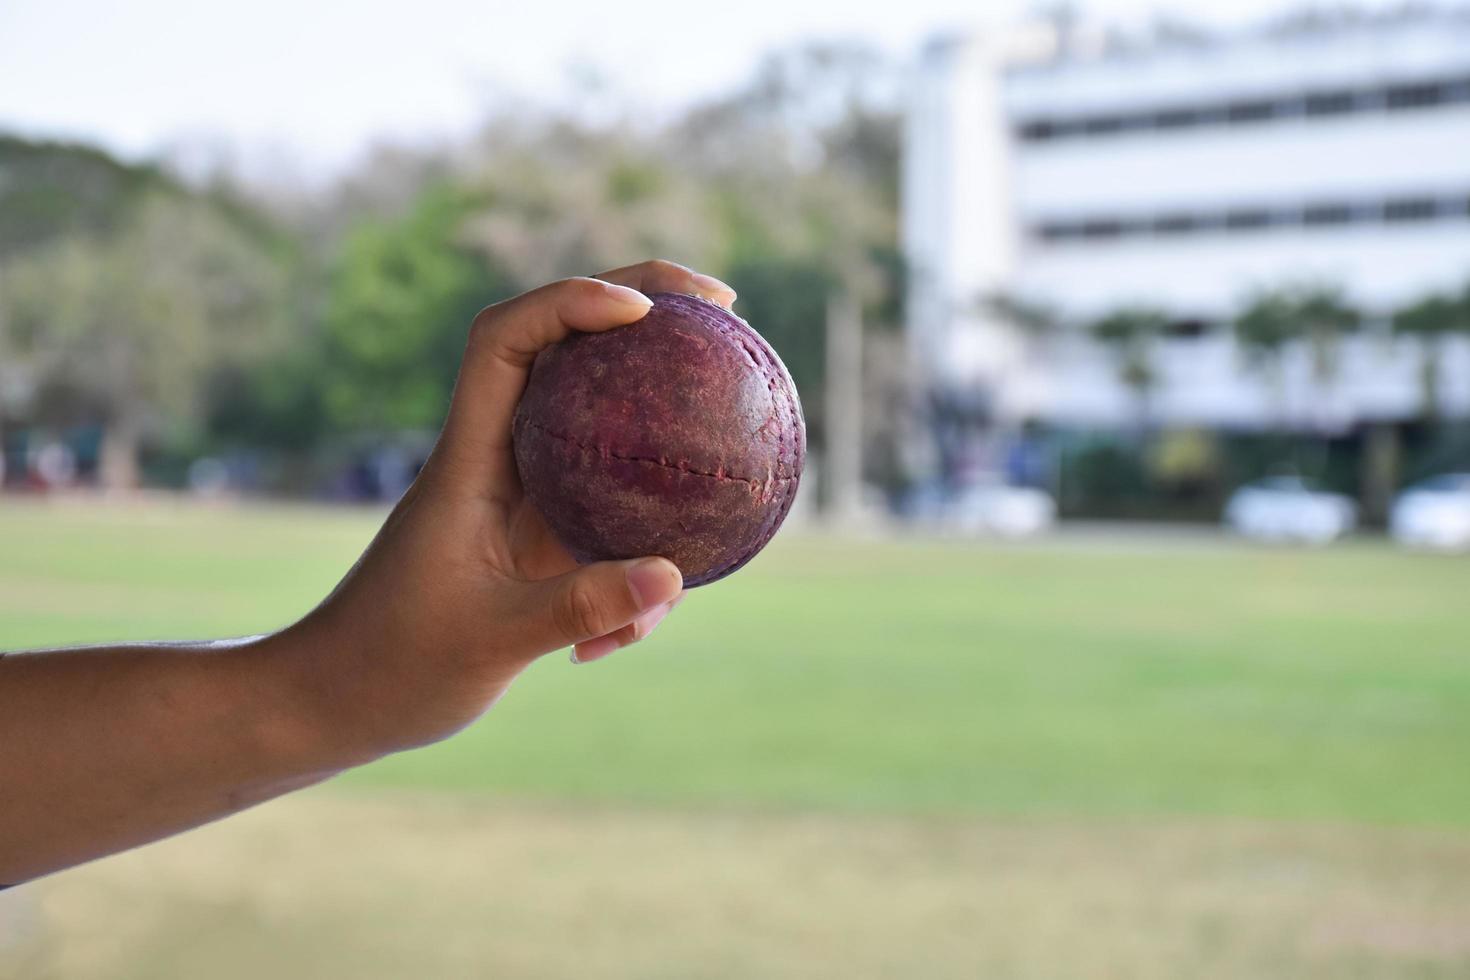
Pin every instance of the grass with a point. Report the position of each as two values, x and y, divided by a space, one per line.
1062 679
1092 757
328 887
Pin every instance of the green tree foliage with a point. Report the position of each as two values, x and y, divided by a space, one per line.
1033 319
1316 316
123 328
52 190
556 200
787 188
788 300
1131 335
1274 320
1325 319
399 302
1430 322
801 171
350 316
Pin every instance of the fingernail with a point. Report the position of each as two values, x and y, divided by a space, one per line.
711 283
585 653
653 581
623 294
650 620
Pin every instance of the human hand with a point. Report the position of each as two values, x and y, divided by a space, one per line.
464 586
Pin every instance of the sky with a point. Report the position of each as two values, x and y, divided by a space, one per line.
303 88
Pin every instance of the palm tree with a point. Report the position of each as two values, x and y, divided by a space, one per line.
1037 323
1031 318
1431 321
1326 319
1130 334
1316 315
1263 330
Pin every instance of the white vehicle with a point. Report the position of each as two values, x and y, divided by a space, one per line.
1434 514
1288 508
995 508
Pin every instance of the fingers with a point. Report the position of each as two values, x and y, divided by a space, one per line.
597 600
660 276
504 340
640 629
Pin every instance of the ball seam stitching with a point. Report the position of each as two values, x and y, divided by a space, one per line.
655 461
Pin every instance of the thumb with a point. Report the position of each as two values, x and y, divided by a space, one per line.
598 599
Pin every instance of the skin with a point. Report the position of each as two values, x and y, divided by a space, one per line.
103 749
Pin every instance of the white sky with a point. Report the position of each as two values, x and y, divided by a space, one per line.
302 86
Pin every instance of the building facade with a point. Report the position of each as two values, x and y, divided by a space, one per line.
1187 177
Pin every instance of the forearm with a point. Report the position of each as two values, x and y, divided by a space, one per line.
102 749
464 586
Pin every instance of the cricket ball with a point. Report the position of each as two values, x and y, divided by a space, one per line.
679 435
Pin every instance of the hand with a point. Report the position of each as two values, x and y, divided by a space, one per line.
464 586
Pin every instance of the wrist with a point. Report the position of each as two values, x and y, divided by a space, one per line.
299 718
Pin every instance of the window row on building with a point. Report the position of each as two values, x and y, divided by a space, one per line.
1325 214
1302 106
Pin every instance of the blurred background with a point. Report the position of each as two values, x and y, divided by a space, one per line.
1120 630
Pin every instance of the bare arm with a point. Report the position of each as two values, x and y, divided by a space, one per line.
102 749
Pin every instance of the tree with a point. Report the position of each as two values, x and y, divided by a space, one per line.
1274 320
562 199
1034 320
1320 318
1430 322
1325 319
800 167
1131 334
399 302
787 188
122 328
1263 330
51 190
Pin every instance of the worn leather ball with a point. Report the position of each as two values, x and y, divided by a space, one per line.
679 435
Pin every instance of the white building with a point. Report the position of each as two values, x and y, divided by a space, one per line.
1185 176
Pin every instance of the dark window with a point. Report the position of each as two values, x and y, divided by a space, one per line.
1290 108
1186 329
1102 228
1057 231
1037 130
1329 103
1244 219
1325 102
1244 112
1414 96
1177 118
1368 100
1100 125
1327 214
1176 224
1410 209
1209 222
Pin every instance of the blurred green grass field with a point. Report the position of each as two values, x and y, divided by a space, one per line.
1118 699
1082 677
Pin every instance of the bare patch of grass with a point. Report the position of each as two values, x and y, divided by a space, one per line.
334 885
